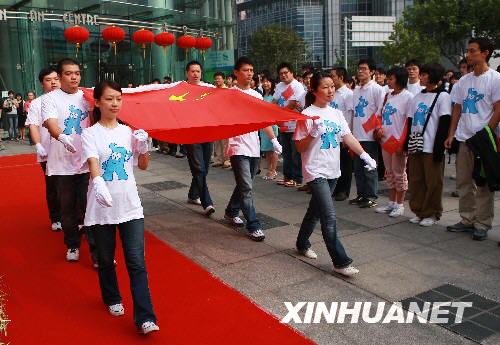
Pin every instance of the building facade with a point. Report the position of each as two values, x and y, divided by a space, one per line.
32 37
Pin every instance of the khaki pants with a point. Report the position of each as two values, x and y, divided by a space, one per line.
476 203
219 155
426 185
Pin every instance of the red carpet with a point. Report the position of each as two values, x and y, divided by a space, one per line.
51 301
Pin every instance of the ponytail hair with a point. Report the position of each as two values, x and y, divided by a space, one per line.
315 81
98 91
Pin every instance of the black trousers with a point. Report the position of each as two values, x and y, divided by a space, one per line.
346 168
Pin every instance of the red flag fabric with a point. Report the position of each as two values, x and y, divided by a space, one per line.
391 145
372 123
183 113
287 93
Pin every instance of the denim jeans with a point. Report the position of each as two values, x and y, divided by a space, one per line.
321 208
366 181
292 163
344 181
51 195
132 237
244 168
199 160
12 118
72 193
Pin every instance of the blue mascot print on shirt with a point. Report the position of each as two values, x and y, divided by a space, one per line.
73 121
281 101
386 115
328 138
360 108
334 105
116 163
419 117
469 103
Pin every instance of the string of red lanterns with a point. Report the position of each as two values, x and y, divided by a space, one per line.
76 35
114 35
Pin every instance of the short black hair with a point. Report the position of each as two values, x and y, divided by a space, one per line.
369 62
219 74
18 94
341 72
10 92
484 43
65 62
306 73
401 75
193 63
284 65
156 80
381 70
45 72
244 60
413 62
463 62
256 79
232 76
434 70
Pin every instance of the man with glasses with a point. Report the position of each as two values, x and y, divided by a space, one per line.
413 68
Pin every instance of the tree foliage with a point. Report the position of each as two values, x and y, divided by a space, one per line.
273 44
441 27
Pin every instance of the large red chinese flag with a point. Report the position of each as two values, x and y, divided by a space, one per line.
186 113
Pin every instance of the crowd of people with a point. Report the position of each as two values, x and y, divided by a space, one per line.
403 119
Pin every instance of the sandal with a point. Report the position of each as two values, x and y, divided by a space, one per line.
292 183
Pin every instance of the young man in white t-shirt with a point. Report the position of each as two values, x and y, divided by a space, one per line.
367 102
199 155
65 115
287 95
343 102
244 154
413 68
476 98
40 137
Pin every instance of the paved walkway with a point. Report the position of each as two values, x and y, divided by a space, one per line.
397 260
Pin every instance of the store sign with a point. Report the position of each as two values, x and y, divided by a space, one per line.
67 17
221 59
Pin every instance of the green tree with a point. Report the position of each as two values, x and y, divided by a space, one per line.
273 44
441 27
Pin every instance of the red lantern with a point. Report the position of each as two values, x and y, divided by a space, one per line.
203 43
164 39
114 35
77 35
186 42
143 37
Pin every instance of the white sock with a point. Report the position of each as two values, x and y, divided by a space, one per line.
392 204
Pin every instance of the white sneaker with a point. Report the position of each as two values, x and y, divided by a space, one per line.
346 271
194 201
208 211
149 326
235 221
257 235
56 226
415 220
385 209
309 253
397 211
73 254
116 309
428 222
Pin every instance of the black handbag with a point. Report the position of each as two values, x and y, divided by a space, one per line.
416 140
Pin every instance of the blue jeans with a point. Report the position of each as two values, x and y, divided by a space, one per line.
292 163
12 124
132 237
244 168
321 208
366 181
199 160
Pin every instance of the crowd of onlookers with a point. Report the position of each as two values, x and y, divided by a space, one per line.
13 117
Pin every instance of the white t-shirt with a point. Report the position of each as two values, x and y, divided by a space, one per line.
414 88
418 112
477 95
71 111
343 102
367 101
395 113
247 144
35 118
284 94
322 158
114 148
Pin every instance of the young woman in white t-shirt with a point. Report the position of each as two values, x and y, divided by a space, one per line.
113 202
392 135
318 141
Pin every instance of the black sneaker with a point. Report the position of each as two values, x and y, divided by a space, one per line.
367 203
356 201
479 235
460 227
341 196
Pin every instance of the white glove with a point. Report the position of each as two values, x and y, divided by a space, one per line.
371 164
40 150
67 141
102 194
318 128
276 146
142 140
